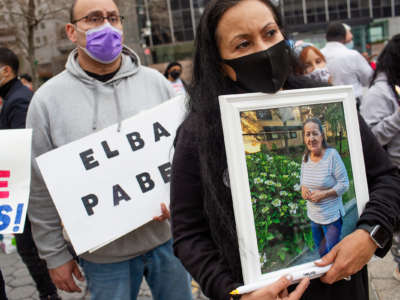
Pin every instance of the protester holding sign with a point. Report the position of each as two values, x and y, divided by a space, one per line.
240 47
102 85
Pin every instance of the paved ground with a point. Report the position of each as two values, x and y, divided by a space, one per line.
20 286
382 283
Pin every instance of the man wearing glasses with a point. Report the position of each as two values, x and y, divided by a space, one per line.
103 84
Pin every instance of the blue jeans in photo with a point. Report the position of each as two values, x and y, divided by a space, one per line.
326 236
164 273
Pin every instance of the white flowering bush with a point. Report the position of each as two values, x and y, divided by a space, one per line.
280 213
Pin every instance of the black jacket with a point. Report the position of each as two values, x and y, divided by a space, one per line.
200 256
16 98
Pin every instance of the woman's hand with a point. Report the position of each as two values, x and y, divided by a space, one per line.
317 196
305 193
348 257
278 291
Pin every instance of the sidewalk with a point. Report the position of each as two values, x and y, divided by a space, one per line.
383 286
20 286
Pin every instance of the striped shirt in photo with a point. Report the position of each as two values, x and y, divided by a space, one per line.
328 173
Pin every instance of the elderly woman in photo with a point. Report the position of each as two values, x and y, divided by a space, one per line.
323 182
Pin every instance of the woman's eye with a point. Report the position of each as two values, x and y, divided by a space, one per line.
243 45
271 32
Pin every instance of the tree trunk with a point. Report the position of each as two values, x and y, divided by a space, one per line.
31 21
286 138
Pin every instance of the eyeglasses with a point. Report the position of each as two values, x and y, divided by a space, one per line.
97 19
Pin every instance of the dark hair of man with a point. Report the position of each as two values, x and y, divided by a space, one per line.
26 76
208 82
170 65
72 11
336 32
8 58
389 64
321 130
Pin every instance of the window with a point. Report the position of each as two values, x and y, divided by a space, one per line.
359 8
316 11
182 19
381 8
160 26
293 12
378 32
265 115
397 7
337 10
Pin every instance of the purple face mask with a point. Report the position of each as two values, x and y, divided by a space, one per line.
103 43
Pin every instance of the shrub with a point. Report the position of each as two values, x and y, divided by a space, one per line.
280 213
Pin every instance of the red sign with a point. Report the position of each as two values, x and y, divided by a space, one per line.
4 184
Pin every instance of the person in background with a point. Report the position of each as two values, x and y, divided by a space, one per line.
312 63
235 42
349 42
381 110
103 79
346 66
15 95
370 59
16 98
173 73
323 181
26 80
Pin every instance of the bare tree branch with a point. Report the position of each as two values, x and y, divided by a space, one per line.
23 17
22 4
51 14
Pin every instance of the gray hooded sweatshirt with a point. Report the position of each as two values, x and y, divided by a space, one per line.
380 109
71 106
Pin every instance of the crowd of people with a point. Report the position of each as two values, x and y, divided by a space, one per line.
240 47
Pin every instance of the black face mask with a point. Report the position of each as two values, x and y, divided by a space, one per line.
175 74
264 71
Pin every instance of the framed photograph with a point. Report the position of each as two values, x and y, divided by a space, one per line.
297 176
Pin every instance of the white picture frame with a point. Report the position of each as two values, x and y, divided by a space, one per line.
231 107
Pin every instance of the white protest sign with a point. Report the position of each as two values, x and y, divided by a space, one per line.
109 183
15 178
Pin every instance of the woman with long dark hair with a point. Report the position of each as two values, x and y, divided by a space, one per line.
380 106
381 110
241 47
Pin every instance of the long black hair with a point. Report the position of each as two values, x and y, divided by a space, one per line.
321 130
208 82
389 64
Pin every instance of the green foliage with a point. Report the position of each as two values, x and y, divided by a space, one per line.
350 194
280 213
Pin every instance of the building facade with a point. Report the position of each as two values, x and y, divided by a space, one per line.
167 27
49 35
